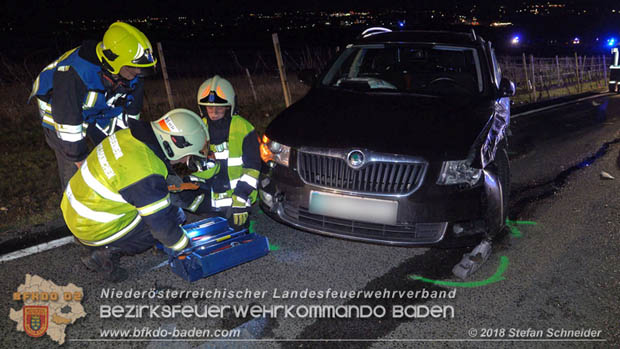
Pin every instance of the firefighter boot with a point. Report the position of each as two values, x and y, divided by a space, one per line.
472 261
106 261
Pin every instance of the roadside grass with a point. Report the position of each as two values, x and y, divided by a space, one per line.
524 96
29 184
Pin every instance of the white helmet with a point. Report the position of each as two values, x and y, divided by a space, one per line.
181 132
216 92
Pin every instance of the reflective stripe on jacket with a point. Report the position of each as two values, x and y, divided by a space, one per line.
97 108
94 210
231 152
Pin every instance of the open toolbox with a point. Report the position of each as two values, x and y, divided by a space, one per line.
214 247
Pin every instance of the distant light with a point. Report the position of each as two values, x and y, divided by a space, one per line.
501 24
576 41
611 42
515 40
401 24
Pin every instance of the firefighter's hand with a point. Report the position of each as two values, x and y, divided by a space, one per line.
200 164
79 163
239 211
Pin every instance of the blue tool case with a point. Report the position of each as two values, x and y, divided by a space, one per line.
215 247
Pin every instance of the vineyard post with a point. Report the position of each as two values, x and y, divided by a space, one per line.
165 73
577 72
247 72
605 71
527 80
533 77
557 65
276 47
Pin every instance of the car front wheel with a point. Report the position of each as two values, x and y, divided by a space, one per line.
501 167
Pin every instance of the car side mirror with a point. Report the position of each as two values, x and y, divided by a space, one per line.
307 76
507 88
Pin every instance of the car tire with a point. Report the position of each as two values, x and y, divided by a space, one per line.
501 166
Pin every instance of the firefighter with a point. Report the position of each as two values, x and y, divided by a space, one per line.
229 186
90 91
118 202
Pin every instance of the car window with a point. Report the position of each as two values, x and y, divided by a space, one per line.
428 69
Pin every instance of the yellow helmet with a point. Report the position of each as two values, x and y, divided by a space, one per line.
216 92
124 44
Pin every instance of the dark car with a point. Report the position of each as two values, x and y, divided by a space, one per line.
401 141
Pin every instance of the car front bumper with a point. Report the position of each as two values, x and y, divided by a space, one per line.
428 216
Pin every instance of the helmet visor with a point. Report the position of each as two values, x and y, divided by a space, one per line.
213 99
146 58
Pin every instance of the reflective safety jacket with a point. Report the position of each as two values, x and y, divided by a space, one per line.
71 95
122 182
239 160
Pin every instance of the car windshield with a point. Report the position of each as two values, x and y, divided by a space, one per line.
426 69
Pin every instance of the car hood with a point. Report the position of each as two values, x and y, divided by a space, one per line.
430 126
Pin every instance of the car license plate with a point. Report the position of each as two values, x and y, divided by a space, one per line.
354 208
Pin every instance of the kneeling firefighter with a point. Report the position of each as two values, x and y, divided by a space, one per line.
118 202
228 182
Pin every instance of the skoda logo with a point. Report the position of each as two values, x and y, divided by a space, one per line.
356 159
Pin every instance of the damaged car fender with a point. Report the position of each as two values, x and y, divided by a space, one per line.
490 154
497 131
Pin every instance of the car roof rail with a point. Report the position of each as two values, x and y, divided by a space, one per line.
473 35
375 30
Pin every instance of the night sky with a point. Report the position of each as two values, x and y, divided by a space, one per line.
35 22
36 12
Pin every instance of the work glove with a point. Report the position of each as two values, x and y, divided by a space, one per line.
173 179
239 213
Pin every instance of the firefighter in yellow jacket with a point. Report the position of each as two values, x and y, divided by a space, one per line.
229 184
118 201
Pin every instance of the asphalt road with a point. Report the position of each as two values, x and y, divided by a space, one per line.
556 269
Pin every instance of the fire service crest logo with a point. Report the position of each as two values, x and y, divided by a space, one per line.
47 308
36 318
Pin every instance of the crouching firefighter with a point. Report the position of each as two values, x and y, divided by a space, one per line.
228 182
90 91
118 202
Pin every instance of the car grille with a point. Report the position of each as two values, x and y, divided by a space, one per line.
406 233
380 177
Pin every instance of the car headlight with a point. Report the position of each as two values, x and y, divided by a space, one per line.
272 151
457 172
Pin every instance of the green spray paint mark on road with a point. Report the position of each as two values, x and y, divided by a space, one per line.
498 276
503 265
514 231
508 221
252 228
